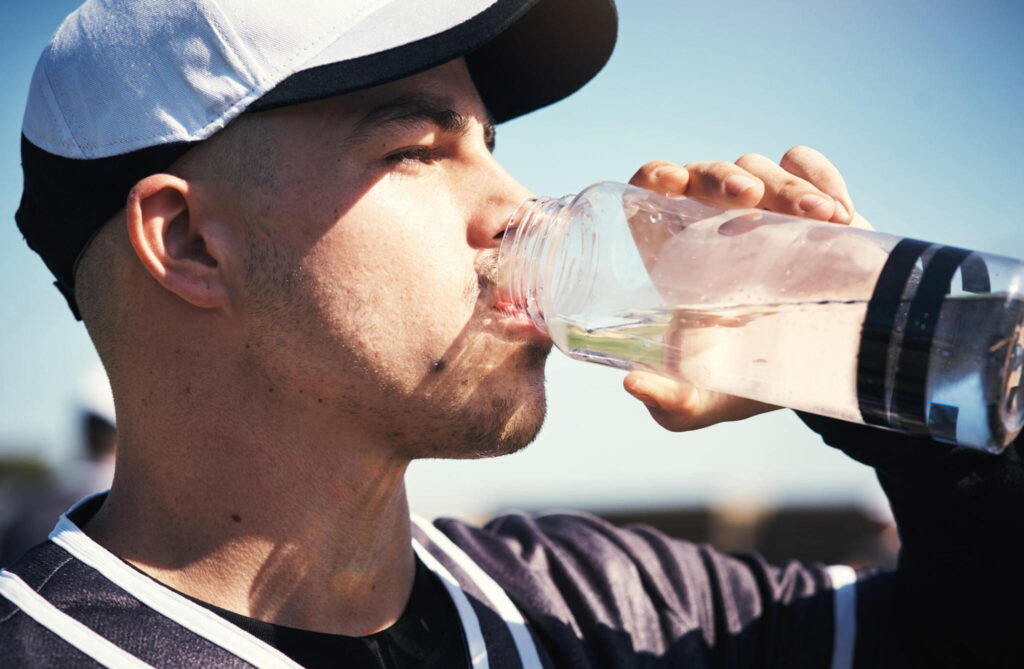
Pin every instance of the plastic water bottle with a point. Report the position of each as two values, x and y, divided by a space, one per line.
838 321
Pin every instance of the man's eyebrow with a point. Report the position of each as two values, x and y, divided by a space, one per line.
410 110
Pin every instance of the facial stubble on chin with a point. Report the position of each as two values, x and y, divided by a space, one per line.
486 423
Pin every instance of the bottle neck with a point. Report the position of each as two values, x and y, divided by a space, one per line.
525 258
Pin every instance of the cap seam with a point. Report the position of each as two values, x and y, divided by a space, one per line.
215 24
363 11
60 107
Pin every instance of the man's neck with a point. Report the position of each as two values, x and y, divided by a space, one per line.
266 530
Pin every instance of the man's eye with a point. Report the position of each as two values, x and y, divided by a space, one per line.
415 154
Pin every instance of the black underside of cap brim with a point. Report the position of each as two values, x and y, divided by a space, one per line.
64 201
522 55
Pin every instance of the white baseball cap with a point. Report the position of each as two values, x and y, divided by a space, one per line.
125 87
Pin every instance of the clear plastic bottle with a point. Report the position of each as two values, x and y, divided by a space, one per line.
838 321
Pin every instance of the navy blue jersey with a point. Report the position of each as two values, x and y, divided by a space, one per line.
569 590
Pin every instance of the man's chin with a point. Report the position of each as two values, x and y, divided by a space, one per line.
521 430
504 427
497 414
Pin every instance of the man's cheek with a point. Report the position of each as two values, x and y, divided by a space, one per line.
448 284
419 323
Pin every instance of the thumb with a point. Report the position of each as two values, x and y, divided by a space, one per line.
673 405
679 407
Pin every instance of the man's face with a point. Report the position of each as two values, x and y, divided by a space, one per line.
369 293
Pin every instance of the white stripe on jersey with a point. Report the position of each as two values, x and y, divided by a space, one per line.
494 592
844 597
219 631
189 615
75 633
470 623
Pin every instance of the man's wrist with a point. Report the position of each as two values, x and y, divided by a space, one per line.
883 449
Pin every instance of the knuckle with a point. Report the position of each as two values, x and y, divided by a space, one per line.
797 151
750 160
649 171
800 154
710 173
788 195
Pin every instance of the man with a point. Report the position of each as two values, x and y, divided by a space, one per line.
285 265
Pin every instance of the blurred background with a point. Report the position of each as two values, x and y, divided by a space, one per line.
918 104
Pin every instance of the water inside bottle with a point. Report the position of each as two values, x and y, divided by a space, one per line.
803 355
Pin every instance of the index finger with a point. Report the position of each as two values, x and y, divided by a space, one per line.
814 167
662 176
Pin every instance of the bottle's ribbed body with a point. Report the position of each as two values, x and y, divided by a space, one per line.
536 224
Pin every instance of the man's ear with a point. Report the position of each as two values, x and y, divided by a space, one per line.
176 246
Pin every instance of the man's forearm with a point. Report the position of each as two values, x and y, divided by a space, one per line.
960 513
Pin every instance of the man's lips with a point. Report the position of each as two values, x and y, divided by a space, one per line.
515 319
510 312
503 309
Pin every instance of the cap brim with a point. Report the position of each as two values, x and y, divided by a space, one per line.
521 55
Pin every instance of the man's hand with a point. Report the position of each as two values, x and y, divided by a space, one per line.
803 183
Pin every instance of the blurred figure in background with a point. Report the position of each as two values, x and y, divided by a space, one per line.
91 470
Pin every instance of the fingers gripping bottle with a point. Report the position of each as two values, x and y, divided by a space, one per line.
838 321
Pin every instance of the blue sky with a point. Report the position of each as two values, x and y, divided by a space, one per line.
918 103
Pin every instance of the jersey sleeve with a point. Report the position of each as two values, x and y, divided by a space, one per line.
599 595
956 596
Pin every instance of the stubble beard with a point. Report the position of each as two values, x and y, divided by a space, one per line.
488 422
482 414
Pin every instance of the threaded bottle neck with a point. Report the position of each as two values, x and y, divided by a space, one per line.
525 257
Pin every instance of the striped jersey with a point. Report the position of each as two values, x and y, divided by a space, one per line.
569 590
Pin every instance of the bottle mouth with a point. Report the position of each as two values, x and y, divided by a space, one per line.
523 253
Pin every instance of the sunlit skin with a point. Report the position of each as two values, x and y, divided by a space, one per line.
309 335
382 298
302 306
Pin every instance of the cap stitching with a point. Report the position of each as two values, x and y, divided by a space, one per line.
60 107
364 10
215 25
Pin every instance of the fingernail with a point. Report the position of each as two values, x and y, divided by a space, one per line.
841 215
738 183
810 202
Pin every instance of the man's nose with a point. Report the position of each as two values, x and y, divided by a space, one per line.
499 196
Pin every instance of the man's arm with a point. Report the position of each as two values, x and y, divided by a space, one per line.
598 595
957 596
954 598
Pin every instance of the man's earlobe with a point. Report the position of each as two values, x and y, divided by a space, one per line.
169 239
